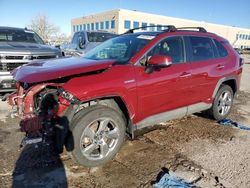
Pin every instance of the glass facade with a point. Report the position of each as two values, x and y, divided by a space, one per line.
135 24
143 24
127 24
242 37
107 25
152 27
159 27
97 26
112 24
101 25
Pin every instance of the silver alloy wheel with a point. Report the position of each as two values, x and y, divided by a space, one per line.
224 102
99 138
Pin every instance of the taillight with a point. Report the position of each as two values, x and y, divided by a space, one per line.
241 62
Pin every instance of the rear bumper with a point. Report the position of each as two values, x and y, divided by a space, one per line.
7 83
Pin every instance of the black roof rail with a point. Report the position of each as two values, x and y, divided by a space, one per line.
170 28
200 29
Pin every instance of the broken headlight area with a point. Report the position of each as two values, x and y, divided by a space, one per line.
41 108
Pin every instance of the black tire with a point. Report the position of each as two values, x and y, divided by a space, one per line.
215 112
84 121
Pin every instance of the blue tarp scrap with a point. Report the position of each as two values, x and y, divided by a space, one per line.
229 122
171 181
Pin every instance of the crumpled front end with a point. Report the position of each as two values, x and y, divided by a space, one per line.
40 108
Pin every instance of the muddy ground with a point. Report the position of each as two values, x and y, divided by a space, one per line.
194 148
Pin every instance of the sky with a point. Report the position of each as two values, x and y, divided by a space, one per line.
18 13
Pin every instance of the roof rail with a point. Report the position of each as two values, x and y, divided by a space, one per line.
200 29
170 28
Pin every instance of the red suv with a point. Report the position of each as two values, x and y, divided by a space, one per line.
129 82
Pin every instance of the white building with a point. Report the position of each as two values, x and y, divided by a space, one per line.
120 20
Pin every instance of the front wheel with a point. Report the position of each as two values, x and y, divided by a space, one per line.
223 103
98 134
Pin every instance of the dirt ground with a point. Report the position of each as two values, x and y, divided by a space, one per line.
194 148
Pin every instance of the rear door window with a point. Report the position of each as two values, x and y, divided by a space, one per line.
202 48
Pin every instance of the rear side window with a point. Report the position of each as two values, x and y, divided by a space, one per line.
221 49
202 48
99 37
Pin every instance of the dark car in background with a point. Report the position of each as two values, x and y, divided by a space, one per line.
19 46
83 41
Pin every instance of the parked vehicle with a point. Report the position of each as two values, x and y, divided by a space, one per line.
245 51
18 47
127 83
83 41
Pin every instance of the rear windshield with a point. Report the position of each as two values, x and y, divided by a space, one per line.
99 37
11 35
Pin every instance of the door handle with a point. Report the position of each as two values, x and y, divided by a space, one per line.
185 75
220 67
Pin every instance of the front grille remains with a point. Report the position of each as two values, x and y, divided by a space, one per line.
10 66
9 62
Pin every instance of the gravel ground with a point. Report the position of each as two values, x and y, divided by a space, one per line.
195 148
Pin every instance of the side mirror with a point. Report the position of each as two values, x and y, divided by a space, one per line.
160 61
157 62
81 43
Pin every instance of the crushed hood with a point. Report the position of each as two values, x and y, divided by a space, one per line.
53 69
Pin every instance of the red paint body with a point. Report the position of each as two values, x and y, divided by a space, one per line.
143 94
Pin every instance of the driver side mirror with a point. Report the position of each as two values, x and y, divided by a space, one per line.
157 62
81 42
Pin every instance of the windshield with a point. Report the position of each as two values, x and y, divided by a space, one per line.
11 35
99 37
120 48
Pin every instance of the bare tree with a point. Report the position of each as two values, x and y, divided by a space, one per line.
41 25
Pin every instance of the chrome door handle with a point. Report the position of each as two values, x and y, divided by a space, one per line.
220 67
185 75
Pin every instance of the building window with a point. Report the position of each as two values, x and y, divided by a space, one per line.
112 24
159 27
101 25
92 26
88 27
127 24
77 28
107 25
248 37
143 24
74 28
80 27
237 36
97 26
84 27
135 24
152 27
240 36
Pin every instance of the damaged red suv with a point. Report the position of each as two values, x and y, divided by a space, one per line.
127 83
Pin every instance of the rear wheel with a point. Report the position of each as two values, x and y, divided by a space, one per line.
98 133
223 103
